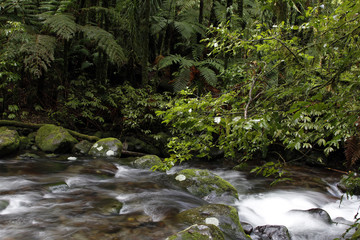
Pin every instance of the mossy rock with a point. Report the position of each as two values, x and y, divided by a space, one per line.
3 204
225 217
278 232
109 206
9 141
147 162
199 232
106 147
82 147
206 185
51 138
25 143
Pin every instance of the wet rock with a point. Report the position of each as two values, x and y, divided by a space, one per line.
199 232
341 220
271 232
316 213
3 204
109 206
51 138
106 147
82 147
9 141
225 217
206 185
29 156
25 143
248 228
147 162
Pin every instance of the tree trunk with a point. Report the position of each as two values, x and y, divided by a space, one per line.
213 19
145 40
201 18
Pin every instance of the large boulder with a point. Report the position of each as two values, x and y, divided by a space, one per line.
9 141
106 147
206 185
199 232
224 217
271 232
147 162
51 138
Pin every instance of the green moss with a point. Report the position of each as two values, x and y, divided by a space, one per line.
227 216
51 138
147 162
106 147
202 183
199 232
9 141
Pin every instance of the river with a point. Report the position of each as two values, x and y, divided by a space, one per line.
55 198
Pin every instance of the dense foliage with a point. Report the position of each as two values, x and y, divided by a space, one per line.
255 79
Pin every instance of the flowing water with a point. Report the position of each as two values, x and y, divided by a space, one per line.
54 198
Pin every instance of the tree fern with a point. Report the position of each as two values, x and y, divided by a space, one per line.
63 25
209 75
106 42
39 54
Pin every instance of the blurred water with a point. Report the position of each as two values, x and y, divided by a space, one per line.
57 199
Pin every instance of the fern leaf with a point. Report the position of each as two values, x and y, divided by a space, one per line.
213 63
106 42
352 151
170 60
209 75
182 81
63 25
187 29
39 54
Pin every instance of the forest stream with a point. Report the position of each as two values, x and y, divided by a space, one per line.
55 198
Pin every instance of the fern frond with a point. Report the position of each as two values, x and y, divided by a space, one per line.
188 29
182 80
217 64
209 75
170 60
106 42
159 24
352 151
39 54
197 51
63 25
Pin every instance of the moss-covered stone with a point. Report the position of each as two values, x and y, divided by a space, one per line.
82 147
9 141
51 138
223 216
147 162
109 206
199 232
206 185
106 147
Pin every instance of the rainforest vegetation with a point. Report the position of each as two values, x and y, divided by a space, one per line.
276 80
255 79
